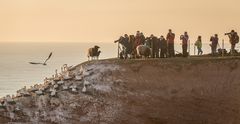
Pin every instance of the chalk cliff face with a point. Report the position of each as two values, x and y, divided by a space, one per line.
166 91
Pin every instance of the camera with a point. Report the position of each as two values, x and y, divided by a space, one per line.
227 33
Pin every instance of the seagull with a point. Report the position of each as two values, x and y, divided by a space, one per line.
39 63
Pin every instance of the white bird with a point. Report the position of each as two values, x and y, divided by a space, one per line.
86 73
65 87
74 90
81 70
55 86
60 82
67 76
22 92
86 82
84 89
53 92
78 78
8 98
39 92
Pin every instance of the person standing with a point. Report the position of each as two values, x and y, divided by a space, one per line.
132 44
214 43
184 39
138 39
170 43
142 37
155 46
198 44
163 47
233 39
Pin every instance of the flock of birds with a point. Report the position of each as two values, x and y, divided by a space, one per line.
58 82
62 81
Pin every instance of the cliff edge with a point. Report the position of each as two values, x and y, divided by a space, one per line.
153 91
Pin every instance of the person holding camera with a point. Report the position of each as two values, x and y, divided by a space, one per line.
184 39
126 46
233 39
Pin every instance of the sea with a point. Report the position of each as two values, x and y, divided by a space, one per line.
16 72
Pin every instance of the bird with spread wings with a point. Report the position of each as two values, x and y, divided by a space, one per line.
44 63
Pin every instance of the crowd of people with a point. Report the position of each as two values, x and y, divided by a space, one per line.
163 47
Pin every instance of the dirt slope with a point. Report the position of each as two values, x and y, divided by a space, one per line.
166 91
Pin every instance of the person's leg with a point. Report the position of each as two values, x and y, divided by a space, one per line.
185 50
215 49
165 54
161 53
157 53
198 51
169 50
212 49
233 46
153 53
173 51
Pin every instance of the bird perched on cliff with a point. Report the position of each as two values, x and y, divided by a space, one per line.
44 63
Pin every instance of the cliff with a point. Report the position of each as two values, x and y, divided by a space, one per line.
152 91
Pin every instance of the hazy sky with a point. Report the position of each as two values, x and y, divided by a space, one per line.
106 20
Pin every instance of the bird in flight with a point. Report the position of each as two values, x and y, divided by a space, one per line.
39 63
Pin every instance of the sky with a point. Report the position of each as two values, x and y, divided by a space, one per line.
106 20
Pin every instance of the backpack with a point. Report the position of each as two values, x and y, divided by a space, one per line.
237 38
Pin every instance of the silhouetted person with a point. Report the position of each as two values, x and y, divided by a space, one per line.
142 37
214 43
233 39
126 46
163 47
155 46
184 39
132 44
198 44
170 43
138 40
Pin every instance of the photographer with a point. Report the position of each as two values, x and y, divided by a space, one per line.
233 39
126 46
